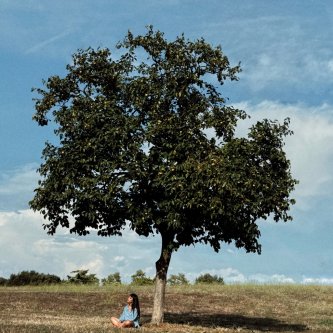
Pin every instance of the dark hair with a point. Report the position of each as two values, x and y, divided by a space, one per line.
135 304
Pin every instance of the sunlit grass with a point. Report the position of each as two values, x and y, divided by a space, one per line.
192 308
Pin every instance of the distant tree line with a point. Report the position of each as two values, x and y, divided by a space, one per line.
30 278
82 277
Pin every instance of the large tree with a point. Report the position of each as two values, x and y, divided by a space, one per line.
146 140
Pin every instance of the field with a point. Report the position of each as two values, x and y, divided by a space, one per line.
206 308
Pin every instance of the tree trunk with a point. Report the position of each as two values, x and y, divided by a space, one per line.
162 265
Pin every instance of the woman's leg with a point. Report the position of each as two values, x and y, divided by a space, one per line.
127 323
115 322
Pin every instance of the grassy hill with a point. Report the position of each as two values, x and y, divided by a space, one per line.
205 308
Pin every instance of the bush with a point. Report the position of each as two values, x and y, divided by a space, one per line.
207 278
176 280
112 279
140 279
82 277
32 278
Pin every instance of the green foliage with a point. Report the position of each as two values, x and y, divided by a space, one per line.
82 277
140 278
32 278
179 279
207 278
133 147
112 279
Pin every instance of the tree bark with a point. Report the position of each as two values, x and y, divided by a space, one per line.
162 265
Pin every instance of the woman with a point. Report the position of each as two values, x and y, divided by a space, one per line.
131 314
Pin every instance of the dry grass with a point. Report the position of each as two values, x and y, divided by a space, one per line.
234 308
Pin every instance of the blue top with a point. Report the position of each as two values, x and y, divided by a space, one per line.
130 315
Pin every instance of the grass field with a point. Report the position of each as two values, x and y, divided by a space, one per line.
210 308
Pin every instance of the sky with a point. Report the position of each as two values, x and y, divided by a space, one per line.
286 53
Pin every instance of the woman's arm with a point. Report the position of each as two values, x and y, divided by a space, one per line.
123 315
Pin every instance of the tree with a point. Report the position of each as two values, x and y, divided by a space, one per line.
3 281
112 279
176 280
82 277
134 149
140 278
208 278
32 278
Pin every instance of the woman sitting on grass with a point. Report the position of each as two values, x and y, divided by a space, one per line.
131 314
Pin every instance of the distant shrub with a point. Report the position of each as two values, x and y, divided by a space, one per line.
179 279
3 281
112 279
82 277
207 278
140 279
32 278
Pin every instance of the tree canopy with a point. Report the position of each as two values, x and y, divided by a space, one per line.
147 139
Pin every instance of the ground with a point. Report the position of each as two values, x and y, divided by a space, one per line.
234 308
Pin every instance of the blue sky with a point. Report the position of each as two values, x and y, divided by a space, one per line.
286 53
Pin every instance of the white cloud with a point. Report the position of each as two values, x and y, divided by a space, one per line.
44 246
330 65
287 68
233 275
322 280
26 246
229 275
119 258
309 149
273 279
279 54
18 180
51 246
95 266
85 245
16 187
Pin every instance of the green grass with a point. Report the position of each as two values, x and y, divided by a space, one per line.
193 308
